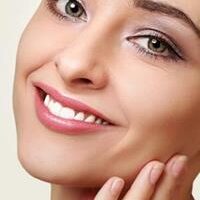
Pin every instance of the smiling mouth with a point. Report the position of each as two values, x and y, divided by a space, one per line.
57 109
69 109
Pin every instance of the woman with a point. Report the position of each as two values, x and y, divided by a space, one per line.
109 90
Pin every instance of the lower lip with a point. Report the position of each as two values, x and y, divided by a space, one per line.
60 125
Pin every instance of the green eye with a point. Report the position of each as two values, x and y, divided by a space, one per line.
74 8
156 45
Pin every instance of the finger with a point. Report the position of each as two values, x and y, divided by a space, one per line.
143 186
111 189
170 183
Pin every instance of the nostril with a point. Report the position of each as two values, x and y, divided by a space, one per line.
83 80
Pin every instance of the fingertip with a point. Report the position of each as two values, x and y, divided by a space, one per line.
156 172
117 185
179 165
176 165
111 189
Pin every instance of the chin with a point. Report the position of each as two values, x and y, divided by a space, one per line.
70 173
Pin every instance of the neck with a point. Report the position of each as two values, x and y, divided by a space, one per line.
59 192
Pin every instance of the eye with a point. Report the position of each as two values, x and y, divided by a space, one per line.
156 45
67 9
74 8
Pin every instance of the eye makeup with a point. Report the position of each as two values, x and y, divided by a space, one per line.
171 51
147 41
67 10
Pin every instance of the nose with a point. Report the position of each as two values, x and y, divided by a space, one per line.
82 64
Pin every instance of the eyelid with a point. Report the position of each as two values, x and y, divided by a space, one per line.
163 36
52 6
82 2
150 32
169 45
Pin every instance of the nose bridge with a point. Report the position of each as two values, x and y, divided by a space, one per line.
94 38
85 46
84 57
98 34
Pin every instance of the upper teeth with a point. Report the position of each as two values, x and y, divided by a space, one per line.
57 109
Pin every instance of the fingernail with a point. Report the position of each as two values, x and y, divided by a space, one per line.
156 172
116 186
178 165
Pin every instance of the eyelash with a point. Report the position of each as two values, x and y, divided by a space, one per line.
174 51
51 6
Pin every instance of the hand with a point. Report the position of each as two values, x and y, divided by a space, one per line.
146 186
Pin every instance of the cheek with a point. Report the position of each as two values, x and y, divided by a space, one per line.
34 50
162 107
41 41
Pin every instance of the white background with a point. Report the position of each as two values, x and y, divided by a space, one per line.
15 183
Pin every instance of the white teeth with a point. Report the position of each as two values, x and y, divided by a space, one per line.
80 116
51 105
67 113
46 101
90 119
57 109
105 123
98 121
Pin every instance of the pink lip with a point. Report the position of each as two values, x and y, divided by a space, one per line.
67 126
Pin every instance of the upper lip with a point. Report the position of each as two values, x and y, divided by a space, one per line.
71 103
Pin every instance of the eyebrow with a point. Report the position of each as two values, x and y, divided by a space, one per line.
168 10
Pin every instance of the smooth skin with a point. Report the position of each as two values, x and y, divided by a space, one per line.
136 65
144 187
156 181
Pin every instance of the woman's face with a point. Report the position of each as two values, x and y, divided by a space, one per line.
135 62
